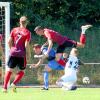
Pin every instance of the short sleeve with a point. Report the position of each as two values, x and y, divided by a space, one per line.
28 38
48 35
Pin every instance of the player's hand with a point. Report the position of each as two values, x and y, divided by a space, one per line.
33 66
46 54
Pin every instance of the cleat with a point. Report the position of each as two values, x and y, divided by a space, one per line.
74 88
13 87
4 90
44 88
85 27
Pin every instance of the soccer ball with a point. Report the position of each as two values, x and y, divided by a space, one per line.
86 80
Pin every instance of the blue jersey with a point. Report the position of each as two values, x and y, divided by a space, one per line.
51 54
52 63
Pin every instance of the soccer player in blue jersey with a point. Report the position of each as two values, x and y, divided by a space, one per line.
52 63
69 79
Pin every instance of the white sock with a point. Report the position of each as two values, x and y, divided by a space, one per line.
83 31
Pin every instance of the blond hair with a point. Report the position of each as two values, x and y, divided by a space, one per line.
23 20
74 51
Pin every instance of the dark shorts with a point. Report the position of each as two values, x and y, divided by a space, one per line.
67 43
20 62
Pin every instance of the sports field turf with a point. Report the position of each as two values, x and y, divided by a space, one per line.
51 94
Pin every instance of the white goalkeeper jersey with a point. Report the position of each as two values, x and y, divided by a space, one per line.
72 65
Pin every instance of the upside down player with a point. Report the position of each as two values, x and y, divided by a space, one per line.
18 44
63 41
69 79
52 63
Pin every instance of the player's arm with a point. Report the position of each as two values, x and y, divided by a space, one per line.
41 60
27 47
49 41
10 42
28 52
80 62
45 44
49 46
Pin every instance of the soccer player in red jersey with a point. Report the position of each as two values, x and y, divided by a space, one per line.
63 41
18 44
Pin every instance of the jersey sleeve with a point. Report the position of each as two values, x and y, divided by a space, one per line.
48 35
28 38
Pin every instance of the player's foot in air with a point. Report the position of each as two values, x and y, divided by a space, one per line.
4 90
44 88
85 27
13 87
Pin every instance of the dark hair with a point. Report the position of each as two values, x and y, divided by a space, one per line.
38 28
36 46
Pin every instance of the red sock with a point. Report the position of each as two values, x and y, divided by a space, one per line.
18 77
83 38
61 62
7 78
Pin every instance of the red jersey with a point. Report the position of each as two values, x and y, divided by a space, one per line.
55 36
19 36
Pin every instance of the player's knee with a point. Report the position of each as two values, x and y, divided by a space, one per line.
80 45
47 69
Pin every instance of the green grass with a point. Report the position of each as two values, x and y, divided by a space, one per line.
51 94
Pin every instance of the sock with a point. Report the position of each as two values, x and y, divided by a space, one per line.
83 30
83 38
6 79
46 79
18 77
61 62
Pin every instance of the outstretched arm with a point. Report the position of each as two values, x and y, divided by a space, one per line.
41 60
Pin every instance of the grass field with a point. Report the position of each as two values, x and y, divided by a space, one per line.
51 94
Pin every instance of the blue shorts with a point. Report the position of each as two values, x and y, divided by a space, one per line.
54 65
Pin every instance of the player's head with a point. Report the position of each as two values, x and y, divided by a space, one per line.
23 21
74 52
39 30
37 49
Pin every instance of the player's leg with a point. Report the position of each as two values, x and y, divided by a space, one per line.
46 77
7 79
72 43
18 77
61 48
69 82
83 36
21 64
54 65
11 65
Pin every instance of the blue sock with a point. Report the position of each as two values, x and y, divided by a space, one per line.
46 79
